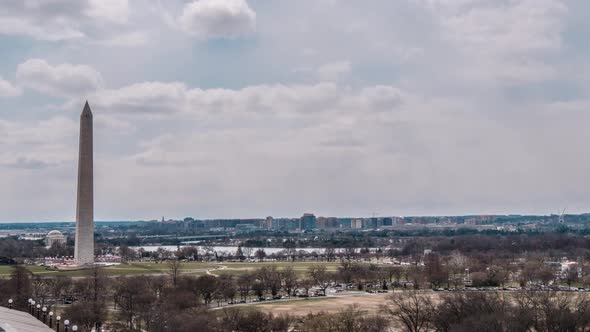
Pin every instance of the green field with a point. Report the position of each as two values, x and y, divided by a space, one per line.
187 268
118 270
300 268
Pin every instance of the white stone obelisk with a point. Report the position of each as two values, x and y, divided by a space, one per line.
84 250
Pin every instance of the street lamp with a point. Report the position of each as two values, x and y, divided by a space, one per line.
38 311
74 328
32 307
66 323
50 319
57 319
44 309
9 303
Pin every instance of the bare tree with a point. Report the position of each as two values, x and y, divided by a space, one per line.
189 252
571 275
207 286
271 278
127 254
434 270
174 267
260 254
330 254
40 288
60 286
456 264
321 277
247 252
20 285
131 295
412 310
245 284
306 284
91 293
289 280
350 319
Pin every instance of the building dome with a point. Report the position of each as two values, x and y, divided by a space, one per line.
54 233
55 237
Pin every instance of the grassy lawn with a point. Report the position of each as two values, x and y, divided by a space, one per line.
300 268
117 270
6 270
295 265
190 268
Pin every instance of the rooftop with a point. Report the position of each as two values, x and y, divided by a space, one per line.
19 321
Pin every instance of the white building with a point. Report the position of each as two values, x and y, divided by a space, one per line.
357 223
55 237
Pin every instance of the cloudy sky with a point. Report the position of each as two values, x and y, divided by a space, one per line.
249 108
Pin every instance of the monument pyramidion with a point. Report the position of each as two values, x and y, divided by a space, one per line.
84 249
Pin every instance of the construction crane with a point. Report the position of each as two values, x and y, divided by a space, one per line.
562 216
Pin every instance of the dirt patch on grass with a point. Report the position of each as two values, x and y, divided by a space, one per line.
369 302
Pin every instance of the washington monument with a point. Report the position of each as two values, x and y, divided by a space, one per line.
84 251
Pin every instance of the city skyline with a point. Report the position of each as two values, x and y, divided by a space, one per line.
242 109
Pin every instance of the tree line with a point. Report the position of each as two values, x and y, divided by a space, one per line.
494 312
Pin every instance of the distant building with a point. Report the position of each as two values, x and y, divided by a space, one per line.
268 223
327 222
357 223
307 222
332 222
479 220
399 221
285 224
322 222
54 237
345 222
278 224
374 222
420 220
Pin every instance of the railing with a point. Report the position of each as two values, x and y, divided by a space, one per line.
46 315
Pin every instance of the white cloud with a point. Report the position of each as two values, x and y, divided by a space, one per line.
147 97
159 98
60 19
110 10
53 32
334 71
7 89
382 98
516 27
59 80
209 19
37 145
437 106
505 40
38 162
422 155
131 39
45 131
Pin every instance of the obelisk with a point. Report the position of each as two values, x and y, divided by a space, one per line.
84 250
